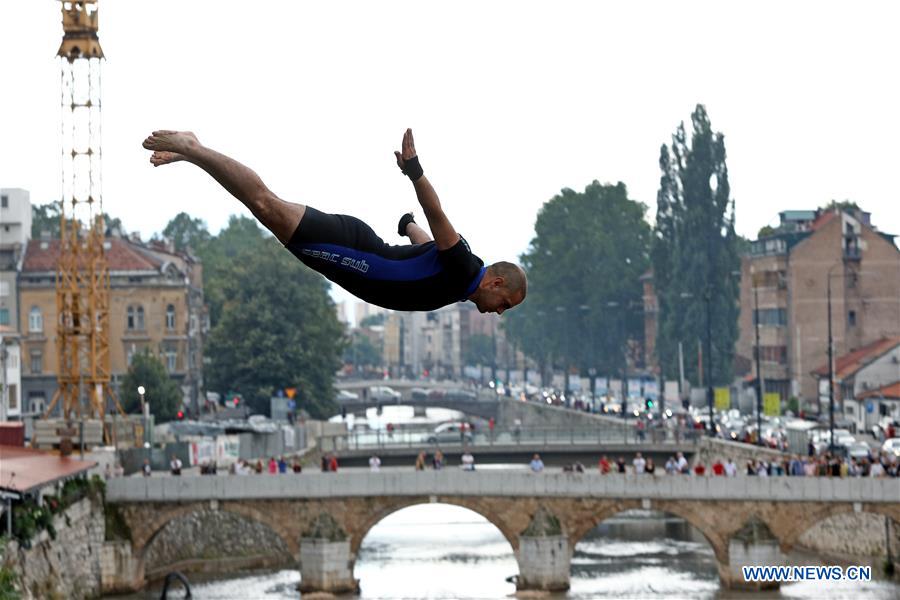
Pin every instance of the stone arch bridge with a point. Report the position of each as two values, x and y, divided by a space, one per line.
322 518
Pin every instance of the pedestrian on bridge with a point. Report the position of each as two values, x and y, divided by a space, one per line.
468 461
536 465
420 461
639 464
604 465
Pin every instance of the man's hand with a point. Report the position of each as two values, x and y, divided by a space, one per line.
407 150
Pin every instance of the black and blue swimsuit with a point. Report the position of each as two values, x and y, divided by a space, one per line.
413 277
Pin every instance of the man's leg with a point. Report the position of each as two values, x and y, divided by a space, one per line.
278 216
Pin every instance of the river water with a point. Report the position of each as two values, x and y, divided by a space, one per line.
442 552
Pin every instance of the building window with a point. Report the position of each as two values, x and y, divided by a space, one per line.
170 317
772 317
775 354
4 289
4 201
37 362
4 316
129 354
851 318
13 397
36 402
35 320
171 360
134 318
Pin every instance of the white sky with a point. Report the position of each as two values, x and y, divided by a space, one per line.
509 103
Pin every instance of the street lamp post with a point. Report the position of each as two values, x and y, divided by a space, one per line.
830 369
145 414
709 360
759 391
561 310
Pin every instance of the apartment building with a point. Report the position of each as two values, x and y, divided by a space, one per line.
156 303
785 283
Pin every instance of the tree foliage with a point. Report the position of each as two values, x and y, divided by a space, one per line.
361 352
162 392
45 218
276 326
584 291
696 251
187 232
480 350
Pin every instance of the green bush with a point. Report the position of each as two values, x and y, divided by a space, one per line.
8 577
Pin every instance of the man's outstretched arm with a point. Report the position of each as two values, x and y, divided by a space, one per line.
445 236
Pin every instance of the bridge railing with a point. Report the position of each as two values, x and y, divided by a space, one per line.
529 437
502 483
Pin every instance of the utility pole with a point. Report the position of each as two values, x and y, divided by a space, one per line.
830 372
759 388
709 376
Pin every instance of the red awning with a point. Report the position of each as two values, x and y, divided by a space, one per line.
23 470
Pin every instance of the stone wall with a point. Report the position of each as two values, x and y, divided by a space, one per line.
209 538
68 567
711 449
851 535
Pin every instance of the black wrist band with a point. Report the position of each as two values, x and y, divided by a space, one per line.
404 221
412 168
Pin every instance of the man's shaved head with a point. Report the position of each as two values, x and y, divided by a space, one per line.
503 286
516 282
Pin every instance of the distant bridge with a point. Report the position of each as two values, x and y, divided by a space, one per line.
322 518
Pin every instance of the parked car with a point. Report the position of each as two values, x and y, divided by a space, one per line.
460 395
856 450
436 394
418 394
382 393
891 445
346 395
449 433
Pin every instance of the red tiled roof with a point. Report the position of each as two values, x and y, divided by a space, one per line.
849 364
120 256
25 469
891 390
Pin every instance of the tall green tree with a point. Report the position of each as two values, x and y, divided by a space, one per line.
361 352
221 256
584 291
695 252
162 392
186 231
277 326
480 350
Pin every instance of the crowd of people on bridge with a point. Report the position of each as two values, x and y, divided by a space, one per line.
826 465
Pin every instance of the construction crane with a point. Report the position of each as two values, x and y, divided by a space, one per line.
82 282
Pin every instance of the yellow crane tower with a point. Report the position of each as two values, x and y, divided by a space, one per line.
82 283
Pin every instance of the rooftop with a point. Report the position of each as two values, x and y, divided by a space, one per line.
889 391
24 470
43 255
850 363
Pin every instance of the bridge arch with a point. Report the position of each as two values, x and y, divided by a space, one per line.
790 532
149 532
693 513
387 506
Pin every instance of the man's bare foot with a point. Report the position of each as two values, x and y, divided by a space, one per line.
161 157
179 142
